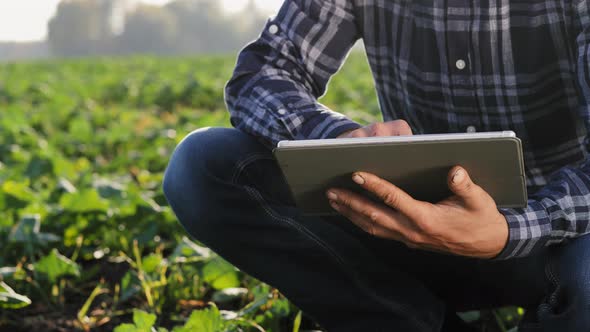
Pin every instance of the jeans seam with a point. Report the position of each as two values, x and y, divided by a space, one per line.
241 165
553 279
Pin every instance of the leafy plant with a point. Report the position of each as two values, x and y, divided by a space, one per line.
142 322
55 265
9 299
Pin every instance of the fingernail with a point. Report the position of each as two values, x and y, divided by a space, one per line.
332 196
334 205
458 176
358 179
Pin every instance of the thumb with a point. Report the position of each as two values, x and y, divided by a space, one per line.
461 184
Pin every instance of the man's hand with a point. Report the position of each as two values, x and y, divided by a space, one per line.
467 223
390 128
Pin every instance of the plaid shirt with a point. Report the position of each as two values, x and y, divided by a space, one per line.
443 66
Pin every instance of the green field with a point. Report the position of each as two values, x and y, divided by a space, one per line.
87 241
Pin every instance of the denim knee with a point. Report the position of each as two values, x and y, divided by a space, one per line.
199 166
568 306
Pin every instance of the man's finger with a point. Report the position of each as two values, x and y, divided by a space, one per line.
399 128
361 205
374 226
390 194
380 215
460 184
371 226
362 132
361 221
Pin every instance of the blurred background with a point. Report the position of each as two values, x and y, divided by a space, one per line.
34 29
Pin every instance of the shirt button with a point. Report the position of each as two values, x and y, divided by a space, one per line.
471 129
460 64
273 29
282 112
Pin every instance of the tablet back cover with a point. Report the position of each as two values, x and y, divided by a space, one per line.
420 168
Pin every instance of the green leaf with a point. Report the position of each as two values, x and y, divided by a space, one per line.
147 234
66 185
109 189
151 262
281 307
261 291
85 201
143 320
64 167
38 166
207 320
297 322
187 250
9 299
44 238
18 190
81 129
28 230
470 316
55 265
220 274
127 328
228 295
7 271
130 285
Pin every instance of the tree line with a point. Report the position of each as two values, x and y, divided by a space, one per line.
114 27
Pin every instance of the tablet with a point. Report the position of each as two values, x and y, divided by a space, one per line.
418 164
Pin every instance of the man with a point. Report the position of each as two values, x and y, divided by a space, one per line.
439 66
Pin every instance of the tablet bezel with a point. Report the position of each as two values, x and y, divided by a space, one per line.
289 153
286 144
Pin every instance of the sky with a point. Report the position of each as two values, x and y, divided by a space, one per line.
26 20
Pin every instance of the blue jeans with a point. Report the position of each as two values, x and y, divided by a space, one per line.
228 192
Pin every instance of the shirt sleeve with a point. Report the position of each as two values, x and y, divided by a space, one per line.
561 210
274 88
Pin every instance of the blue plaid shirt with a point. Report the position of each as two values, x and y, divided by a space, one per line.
443 66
